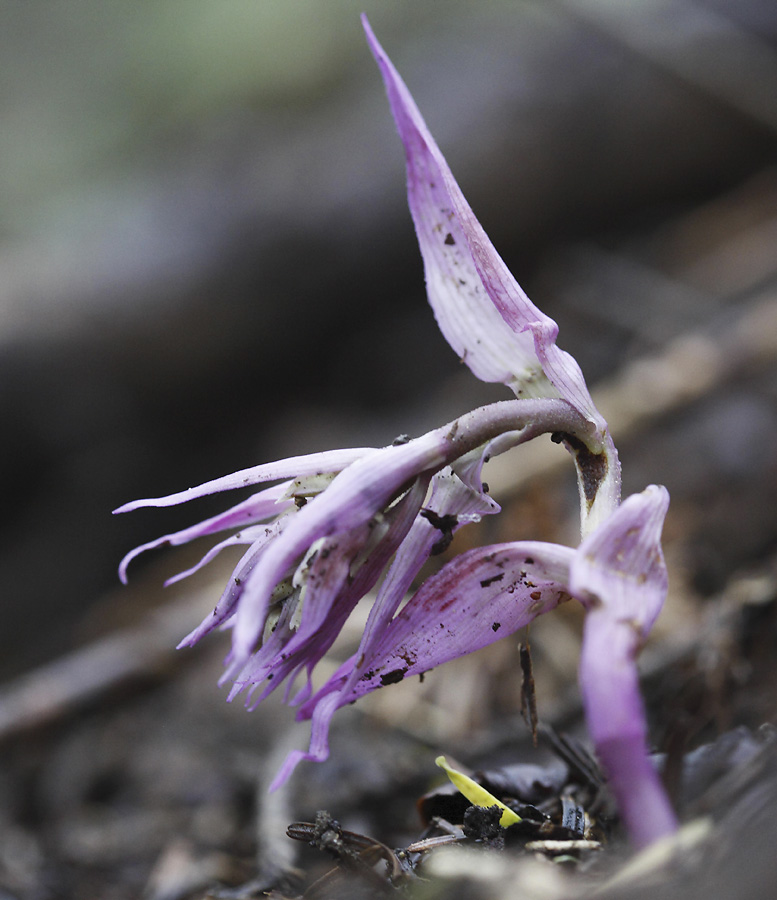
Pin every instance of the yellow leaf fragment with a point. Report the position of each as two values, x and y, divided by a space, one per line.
476 794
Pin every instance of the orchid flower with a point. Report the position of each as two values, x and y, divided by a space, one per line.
326 529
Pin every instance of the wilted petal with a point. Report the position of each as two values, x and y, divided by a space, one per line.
619 573
352 499
450 500
370 483
478 598
482 311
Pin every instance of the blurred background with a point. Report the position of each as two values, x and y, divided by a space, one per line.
206 260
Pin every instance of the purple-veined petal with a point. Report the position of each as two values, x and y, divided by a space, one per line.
293 467
620 575
263 505
476 599
482 311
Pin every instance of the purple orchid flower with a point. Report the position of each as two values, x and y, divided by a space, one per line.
344 522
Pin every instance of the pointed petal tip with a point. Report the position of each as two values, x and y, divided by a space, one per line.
124 564
290 764
371 39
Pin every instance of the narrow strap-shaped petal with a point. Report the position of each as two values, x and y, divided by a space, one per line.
232 593
245 536
336 579
293 467
257 508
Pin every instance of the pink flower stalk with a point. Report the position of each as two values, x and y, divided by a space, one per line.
344 522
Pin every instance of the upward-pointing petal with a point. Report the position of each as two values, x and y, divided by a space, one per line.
482 311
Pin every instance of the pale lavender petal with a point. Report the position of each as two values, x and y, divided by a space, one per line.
619 573
616 724
482 311
293 467
319 741
337 576
245 536
325 607
229 599
257 508
449 497
476 599
469 468
353 498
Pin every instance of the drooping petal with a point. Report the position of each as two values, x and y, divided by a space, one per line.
244 536
452 504
336 575
482 311
228 602
478 598
353 498
369 484
620 575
